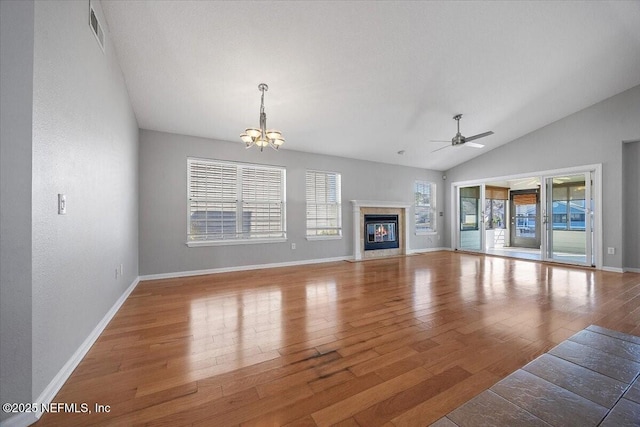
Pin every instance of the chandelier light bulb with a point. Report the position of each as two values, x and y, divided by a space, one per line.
253 132
274 134
246 138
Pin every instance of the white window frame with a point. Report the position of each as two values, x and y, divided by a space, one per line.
315 201
420 227
239 236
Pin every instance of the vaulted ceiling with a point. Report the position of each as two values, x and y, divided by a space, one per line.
367 79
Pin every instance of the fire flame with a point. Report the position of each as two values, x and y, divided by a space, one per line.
381 231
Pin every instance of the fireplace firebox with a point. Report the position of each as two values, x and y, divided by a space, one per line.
381 232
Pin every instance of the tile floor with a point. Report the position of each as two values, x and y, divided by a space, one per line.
591 379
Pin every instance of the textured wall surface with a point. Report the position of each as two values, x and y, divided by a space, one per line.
590 136
85 145
16 72
631 198
163 203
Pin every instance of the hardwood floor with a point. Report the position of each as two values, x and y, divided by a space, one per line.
397 342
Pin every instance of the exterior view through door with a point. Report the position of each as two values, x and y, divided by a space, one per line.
548 217
569 219
525 219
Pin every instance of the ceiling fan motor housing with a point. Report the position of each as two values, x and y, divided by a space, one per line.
458 139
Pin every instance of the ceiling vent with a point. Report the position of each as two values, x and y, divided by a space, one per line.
96 27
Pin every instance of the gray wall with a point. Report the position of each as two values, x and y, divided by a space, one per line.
16 84
85 144
593 135
631 199
163 198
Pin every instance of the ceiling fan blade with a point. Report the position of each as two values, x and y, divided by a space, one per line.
439 140
478 136
473 144
441 148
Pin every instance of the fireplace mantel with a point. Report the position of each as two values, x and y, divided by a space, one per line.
357 204
358 232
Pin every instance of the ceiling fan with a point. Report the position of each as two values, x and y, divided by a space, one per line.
462 140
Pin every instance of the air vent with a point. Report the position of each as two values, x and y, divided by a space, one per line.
96 27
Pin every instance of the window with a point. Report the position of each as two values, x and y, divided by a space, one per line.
324 205
494 208
425 207
469 208
234 202
569 208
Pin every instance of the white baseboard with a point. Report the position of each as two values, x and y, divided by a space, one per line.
241 268
20 420
425 250
612 269
632 270
272 265
63 375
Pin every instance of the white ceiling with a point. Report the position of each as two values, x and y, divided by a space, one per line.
367 79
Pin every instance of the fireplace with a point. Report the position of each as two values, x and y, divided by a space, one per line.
381 232
391 220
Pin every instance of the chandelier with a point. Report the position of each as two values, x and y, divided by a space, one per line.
262 137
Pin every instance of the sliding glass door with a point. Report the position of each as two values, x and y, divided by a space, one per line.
470 220
525 219
568 219
548 217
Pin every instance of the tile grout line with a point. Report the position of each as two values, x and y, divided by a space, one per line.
620 398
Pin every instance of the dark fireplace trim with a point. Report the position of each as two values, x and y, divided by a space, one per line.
378 219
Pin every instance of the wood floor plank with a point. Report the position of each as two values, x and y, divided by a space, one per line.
352 405
309 405
382 361
397 341
384 411
435 408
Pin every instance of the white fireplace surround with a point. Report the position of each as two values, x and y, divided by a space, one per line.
358 232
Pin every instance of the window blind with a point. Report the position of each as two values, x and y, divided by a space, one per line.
234 201
424 209
324 204
499 193
525 199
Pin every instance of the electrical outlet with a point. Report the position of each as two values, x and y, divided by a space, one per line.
293 246
62 204
611 251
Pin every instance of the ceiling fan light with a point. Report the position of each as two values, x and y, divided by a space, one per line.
246 138
278 142
253 132
262 142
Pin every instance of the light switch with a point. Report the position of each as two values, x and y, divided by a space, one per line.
62 204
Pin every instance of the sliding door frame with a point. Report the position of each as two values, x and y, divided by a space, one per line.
547 244
596 169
